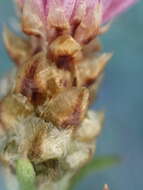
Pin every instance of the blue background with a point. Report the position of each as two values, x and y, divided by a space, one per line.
121 97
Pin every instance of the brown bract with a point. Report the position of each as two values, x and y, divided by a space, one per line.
18 48
66 109
65 47
11 107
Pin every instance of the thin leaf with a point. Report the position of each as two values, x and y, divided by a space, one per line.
25 174
97 164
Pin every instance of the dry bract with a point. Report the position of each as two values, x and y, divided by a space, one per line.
44 112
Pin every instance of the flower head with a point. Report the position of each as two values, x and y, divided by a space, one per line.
81 18
44 114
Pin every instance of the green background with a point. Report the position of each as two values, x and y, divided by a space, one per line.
121 97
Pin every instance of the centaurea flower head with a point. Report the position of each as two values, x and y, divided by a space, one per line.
44 107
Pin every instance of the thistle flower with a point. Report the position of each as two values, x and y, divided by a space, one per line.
44 116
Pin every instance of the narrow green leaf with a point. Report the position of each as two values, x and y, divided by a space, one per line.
25 174
100 163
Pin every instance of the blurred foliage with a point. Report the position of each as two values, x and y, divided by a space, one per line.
100 163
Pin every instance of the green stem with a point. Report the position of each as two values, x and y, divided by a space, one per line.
25 174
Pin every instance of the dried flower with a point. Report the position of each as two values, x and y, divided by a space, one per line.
44 116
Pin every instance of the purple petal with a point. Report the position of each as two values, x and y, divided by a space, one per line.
39 4
20 2
69 6
79 11
44 3
113 8
56 15
91 3
81 8
90 23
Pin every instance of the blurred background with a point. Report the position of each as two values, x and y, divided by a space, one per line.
121 97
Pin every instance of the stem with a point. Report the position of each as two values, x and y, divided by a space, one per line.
25 174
